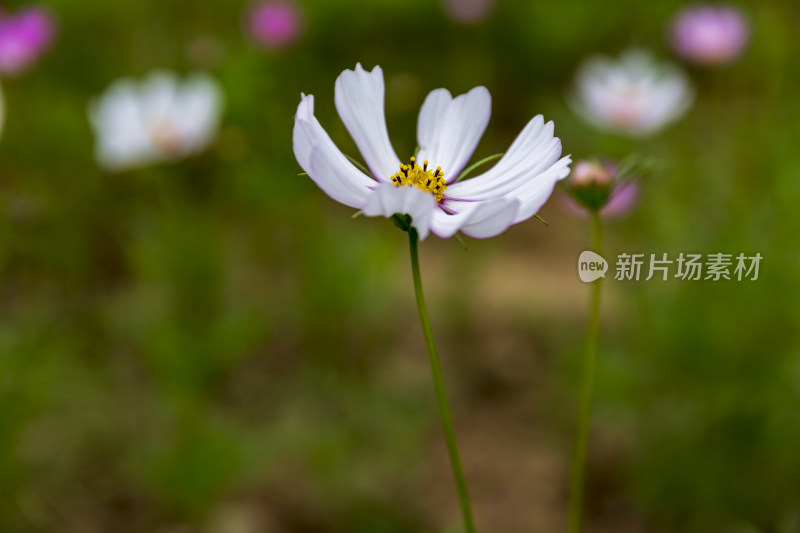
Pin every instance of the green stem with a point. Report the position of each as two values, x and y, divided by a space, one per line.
586 395
438 381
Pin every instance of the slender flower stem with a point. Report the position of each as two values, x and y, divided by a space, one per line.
586 394
438 381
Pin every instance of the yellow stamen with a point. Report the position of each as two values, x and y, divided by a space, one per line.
421 178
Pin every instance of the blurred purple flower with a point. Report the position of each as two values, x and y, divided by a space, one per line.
275 25
588 179
710 35
468 11
24 37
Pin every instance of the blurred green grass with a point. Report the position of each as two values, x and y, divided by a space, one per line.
214 342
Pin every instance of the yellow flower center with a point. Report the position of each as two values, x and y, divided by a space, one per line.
431 181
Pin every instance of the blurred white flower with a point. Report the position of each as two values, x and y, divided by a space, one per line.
634 95
448 131
160 118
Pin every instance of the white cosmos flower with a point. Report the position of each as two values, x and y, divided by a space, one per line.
634 95
448 132
158 119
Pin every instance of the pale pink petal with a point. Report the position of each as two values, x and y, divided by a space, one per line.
198 111
359 99
491 218
533 151
324 162
431 116
462 126
535 193
387 200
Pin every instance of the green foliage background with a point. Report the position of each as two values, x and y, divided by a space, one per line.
214 345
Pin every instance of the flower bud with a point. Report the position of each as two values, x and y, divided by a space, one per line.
587 173
595 186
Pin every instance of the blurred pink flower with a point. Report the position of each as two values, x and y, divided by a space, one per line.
468 11
275 25
710 35
24 37
595 179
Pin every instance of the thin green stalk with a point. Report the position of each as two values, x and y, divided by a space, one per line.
472 167
357 163
586 394
438 381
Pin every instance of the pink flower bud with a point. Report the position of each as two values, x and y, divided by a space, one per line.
587 173
596 186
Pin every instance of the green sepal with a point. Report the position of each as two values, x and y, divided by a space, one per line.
402 221
591 196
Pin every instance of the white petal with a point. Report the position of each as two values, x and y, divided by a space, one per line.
535 193
197 111
461 128
446 225
359 99
670 99
300 143
511 191
490 218
477 219
121 141
156 96
533 151
387 200
323 162
431 116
